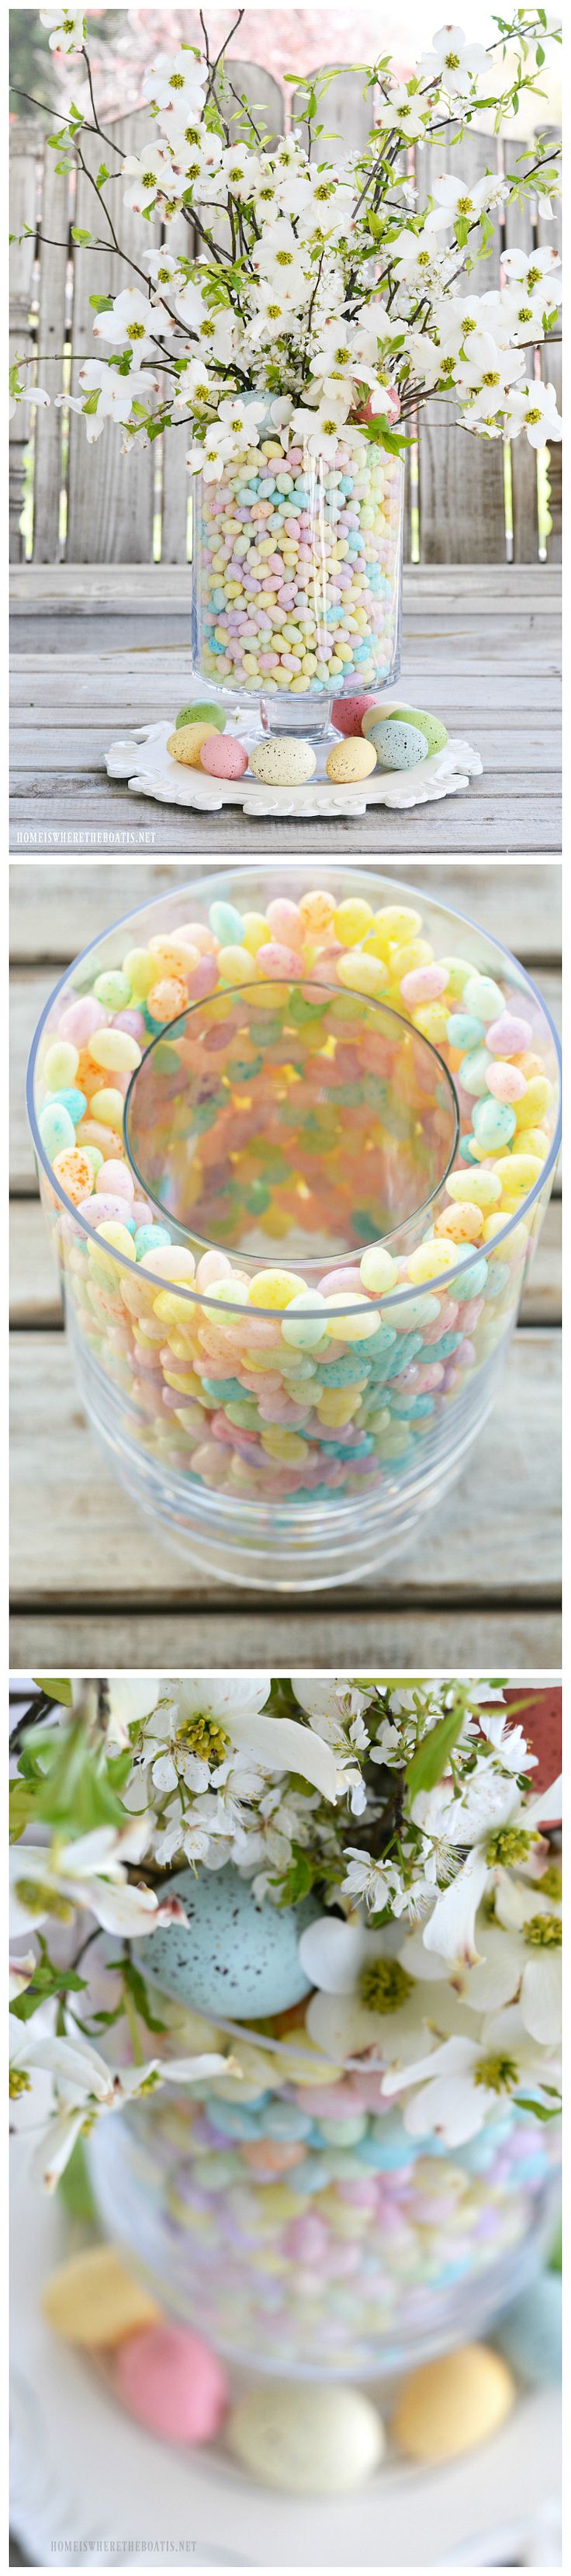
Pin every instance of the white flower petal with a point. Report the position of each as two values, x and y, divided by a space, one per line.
332 1953
541 1996
451 1928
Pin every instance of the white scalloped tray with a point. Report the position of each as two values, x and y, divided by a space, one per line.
142 758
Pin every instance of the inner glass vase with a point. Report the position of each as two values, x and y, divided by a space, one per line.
292 1122
297 578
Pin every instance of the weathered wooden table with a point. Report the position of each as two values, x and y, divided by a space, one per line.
99 649
92 1585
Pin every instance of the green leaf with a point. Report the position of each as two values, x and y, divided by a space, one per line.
101 303
102 175
78 235
539 2110
430 1759
54 1686
22 1804
138 1990
75 2186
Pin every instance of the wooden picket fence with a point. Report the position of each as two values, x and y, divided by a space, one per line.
468 500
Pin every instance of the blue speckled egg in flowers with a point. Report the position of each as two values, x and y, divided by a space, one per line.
232 1956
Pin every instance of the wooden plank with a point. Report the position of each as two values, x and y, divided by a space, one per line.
345 115
505 1641
54 288
44 820
264 98
74 1537
110 497
82 585
54 915
26 146
35 1290
461 479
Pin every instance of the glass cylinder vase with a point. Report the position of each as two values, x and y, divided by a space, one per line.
305 2232
294 1148
297 578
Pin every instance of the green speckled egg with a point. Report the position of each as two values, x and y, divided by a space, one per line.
398 744
201 713
232 1956
434 731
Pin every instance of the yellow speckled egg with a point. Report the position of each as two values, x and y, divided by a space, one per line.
92 2299
186 744
451 2404
280 762
350 761
308 2440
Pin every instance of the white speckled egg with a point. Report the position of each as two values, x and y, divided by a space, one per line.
231 1956
398 745
308 2440
282 762
350 760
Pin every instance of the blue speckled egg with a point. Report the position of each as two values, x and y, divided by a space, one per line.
232 1956
530 2334
397 745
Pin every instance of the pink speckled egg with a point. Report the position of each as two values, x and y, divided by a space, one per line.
170 2380
347 713
222 757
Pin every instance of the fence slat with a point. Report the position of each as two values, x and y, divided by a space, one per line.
519 234
25 146
461 476
51 336
110 508
261 92
549 238
345 115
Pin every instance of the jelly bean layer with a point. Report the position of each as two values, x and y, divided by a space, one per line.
309 2228
333 1327
297 571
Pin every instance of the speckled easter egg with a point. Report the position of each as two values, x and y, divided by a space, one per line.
308 2440
232 1956
453 2403
222 757
281 762
347 714
350 761
202 713
435 733
530 2335
398 744
171 2381
186 744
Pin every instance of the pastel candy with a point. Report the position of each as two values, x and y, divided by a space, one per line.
308 2440
93 2299
398 745
350 761
172 2383
451 2404
281 762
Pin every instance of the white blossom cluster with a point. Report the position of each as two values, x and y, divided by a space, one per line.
407 1809
325 297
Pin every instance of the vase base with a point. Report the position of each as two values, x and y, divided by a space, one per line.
309 718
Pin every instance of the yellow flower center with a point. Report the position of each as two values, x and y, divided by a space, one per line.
19 2082
452 62
135 331
498 2073
509 1845
464 206
200 1734
39 1898
532 416
543 1932
149 179
384 1985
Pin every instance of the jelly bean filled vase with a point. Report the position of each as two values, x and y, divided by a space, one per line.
294 1147
295 2221
297 578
